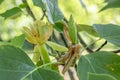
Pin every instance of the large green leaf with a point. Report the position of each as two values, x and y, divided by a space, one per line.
110 32
57 47
92 76
16 65
87 28
18 41
53 11
72 30
99 63
11 12
111 4
39 3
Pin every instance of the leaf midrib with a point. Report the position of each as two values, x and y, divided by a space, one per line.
90 63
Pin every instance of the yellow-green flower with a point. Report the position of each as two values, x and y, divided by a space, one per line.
38 33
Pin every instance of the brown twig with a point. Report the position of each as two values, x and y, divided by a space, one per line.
83 43
44 14
64 40
65 20
29 10
102 46
70 72
116 51
54 37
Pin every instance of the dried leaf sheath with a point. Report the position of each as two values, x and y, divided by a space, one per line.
70 56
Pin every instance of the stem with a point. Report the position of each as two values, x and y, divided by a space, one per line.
54 37
89 45
43 53
64 40
102 46
84 44
65 20
44 14
116 51
29 10
70 72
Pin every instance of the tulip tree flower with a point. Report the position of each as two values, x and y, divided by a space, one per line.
38 34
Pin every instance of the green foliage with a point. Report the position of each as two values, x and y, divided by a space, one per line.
111 4
110 32
18 41
86 28
54 12
15 64
11 12
57 47
93 76
99 63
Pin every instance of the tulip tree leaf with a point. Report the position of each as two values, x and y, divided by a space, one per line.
111 4
87 28
11 12
110 32
16 65
18 41
57 47
53 11
92 76
99 63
